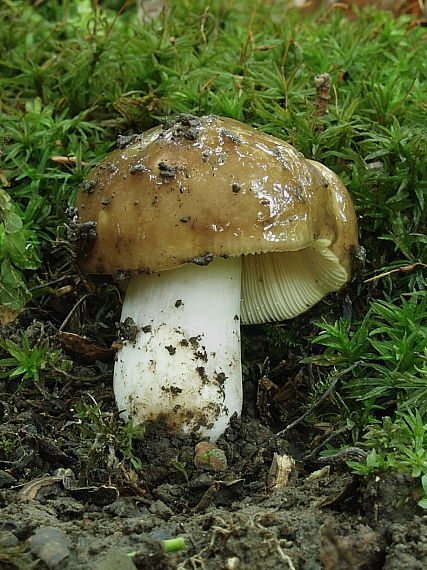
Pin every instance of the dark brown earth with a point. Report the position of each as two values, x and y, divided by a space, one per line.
71 499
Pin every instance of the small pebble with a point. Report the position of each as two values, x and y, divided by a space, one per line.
209 457
161 510
116 559
6 480
51 545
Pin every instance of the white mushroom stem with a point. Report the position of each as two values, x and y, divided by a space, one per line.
184 367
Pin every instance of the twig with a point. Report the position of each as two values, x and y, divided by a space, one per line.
328 439
53 282
404 269
73 310
320 401
69 160
339 5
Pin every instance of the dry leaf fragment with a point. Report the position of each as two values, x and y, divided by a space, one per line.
280 471
30 490
84 348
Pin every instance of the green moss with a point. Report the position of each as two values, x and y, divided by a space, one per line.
72 78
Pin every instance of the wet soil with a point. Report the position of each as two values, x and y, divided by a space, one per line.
70 498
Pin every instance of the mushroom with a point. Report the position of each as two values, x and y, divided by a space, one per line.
217 225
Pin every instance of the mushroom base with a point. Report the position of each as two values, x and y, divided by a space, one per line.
184 365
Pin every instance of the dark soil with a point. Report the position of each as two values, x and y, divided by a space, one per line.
71 499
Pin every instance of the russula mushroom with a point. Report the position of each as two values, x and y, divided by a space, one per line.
217 225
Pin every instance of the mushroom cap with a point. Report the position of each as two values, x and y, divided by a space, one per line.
197 188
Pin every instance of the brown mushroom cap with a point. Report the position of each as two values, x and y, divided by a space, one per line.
202 187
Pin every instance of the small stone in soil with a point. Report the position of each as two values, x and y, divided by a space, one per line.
51 545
